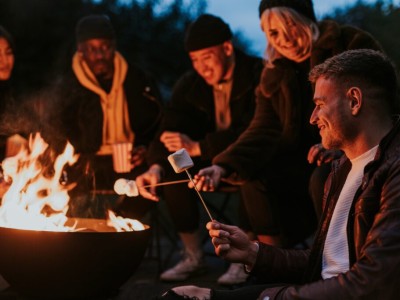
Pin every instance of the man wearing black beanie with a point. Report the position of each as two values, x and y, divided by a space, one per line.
105 101
210 106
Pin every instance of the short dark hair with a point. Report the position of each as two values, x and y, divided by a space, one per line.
369 69
6 35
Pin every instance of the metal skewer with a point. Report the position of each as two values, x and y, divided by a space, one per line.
198 193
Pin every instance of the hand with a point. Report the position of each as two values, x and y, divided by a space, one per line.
138 156
319 155
208 179
193 292
174 141
232 243
150 177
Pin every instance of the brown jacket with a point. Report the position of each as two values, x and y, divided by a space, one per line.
373 233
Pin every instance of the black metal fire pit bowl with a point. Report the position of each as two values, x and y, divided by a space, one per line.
91 264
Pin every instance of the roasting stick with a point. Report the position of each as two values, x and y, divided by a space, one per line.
181 161
165 183
198 193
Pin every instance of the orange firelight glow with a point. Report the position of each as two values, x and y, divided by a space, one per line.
37 199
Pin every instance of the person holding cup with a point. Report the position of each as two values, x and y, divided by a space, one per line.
110 112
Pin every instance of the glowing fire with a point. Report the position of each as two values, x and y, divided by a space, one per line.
36 198
123 224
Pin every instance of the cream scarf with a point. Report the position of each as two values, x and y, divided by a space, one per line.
116 124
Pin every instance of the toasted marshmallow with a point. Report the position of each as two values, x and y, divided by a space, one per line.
126 187
180 160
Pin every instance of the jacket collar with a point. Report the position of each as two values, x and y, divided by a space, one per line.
242 82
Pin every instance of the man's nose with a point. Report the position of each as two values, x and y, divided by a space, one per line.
313 118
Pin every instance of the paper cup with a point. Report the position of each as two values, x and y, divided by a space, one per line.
121 153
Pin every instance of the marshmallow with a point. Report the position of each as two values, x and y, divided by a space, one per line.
126 187
180 160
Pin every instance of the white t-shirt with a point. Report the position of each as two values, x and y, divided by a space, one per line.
335 259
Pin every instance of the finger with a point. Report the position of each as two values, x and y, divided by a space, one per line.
148 195
220 241
168 135
212 225
222 250
211 185
227 229
216 233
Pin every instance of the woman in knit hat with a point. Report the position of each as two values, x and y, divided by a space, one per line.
276 143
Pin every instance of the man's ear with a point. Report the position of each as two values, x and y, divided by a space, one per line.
228 48
354 95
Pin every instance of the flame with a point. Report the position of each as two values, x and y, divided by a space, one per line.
31 192
37 199
123 224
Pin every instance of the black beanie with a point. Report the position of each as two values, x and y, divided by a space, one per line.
304 7
206 31
94 27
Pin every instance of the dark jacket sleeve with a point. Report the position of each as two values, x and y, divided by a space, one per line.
275 128
144 104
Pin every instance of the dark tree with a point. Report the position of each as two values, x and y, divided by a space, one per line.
148 33
381 19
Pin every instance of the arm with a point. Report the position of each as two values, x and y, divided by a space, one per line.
376 272
276 131
269 263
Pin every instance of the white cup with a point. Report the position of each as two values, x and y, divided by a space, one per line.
121 153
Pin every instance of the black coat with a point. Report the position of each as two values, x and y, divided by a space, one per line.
82 115
191 110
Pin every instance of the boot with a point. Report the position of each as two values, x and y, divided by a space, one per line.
192 262
234 275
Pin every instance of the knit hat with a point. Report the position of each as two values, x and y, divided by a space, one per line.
206 31
94 27
305 7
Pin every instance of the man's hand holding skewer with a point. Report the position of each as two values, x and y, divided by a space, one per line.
232 243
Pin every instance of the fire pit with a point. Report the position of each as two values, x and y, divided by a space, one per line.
88 264
45 254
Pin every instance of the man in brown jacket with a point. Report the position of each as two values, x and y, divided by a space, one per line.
356 250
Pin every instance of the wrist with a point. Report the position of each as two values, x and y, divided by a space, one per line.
156 168
252 256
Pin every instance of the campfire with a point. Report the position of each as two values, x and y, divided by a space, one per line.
45 253
37 198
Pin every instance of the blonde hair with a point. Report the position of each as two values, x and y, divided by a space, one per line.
307 29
